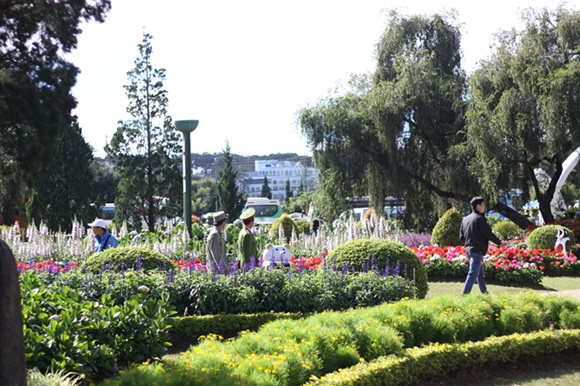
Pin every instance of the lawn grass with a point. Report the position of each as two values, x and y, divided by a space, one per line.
548 285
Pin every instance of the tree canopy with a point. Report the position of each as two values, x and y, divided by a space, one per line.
524 102
230 199
145 149
35 85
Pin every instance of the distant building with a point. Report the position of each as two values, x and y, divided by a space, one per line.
278 172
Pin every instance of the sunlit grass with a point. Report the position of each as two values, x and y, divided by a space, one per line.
549 284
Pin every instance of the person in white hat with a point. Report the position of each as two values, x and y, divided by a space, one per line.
217 259
103 238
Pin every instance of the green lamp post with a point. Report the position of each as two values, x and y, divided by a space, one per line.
186 127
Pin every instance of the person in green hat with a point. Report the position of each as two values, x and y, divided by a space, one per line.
246 239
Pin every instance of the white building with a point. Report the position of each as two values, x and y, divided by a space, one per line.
278 172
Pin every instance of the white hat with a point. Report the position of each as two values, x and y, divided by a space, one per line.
98 223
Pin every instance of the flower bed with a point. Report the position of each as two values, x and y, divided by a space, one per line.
507 265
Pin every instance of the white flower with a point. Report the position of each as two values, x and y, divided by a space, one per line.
143 288
54 317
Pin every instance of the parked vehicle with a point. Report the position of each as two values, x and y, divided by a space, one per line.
267 210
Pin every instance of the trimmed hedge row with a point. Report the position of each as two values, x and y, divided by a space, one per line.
438 361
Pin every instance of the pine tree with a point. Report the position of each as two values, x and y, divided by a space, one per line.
266 192
289 194
230 199
146 149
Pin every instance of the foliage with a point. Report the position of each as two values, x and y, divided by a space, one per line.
544 237
401 126
302 226
506 229
65 331
523 110
145 150
288 190
123 258
382 255
266 192
36 84
287 225
63 191
295 351
230 199
446 231
202 195
443 361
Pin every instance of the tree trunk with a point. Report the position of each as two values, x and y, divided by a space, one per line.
512 214
12 357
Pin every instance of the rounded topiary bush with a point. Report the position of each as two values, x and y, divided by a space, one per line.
446 231
359 254
121 258
303 226
286 222
544 237
507 229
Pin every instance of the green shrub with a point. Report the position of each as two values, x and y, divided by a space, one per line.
387 254
544 237
122 258
303 226
507 229
63 331
286 222
446 231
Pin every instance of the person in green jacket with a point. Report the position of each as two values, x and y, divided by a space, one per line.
246 239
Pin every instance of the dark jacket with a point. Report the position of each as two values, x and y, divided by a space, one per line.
476 233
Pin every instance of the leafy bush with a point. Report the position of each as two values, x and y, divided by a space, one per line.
446 231
507 229
286 222
64 331
544 237
123 258
303 226
382 255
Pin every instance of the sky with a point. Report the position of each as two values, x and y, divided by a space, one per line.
245 68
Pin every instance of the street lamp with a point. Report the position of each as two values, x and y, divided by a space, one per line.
186 127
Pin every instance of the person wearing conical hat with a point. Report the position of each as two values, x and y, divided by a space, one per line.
103 238
216 249
246 239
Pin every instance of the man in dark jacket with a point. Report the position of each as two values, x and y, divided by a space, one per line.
476 235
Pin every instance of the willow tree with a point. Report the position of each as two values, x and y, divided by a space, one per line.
524 105
397 128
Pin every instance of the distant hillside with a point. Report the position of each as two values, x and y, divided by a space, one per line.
206 164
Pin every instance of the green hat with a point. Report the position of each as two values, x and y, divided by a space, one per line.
248 213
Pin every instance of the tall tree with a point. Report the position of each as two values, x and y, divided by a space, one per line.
36 83
63 191
288 190
202 195
266 192
230 199
145 149
524 106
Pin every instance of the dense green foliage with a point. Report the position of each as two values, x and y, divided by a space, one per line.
446 231
288 227
383 255
324 343
124 258
64 330
545 237
231 200
523 109
506 229
266 191
36 83
193 292
146 149
63 191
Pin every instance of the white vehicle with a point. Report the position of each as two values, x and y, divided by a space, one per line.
276 254
267 210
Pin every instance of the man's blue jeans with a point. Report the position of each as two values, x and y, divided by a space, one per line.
475 273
